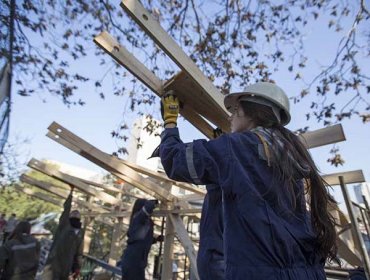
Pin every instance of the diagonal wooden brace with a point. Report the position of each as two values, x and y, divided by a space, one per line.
151 27
186 242
47 186
139 70
71 180
108 162
38 195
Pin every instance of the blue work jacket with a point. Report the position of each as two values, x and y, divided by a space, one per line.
265 236
210 260
140 240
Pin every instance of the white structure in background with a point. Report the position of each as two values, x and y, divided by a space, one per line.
140 151
142 144
77 171
360 190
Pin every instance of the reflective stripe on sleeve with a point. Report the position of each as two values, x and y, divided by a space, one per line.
23 247
190 164
145 211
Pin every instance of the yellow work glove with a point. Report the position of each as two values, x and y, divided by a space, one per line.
170 108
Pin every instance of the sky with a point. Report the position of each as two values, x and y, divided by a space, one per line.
30 116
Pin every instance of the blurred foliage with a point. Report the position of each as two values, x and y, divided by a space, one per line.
25 206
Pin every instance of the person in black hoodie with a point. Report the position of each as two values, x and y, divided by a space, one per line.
65 255
19 256
140 239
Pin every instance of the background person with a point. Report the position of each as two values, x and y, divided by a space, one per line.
10 226
65 256
19 256
140 239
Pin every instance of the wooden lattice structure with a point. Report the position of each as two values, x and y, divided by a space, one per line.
203 108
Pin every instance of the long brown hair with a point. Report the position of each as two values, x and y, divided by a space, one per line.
319 198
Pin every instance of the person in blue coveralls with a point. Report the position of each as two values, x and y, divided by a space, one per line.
140 239
210 259
265 174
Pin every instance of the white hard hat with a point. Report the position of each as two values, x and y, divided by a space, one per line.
263 93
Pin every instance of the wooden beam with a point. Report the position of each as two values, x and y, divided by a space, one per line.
323 136
108 162
163 177
312 139
71 180
115 248
193 97
350 177
183 236
169 238
112 47
123 57
46 186
77 150
156 213
191 197
38 195
152 28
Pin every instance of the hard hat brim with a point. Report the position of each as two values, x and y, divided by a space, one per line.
232 99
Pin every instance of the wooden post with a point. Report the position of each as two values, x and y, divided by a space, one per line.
186 242
115 248
168 250
355 229
88 229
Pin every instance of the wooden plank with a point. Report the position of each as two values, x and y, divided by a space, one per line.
181 84
47 198
103 165
191 197
38 195
102 186
46 186
346 252
71 180
152 28
197 121
162 177
80 152
131 165
110 163
194 98
323 136
115 248
183 236
126 59
350 177
169 238
135 67
156 213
